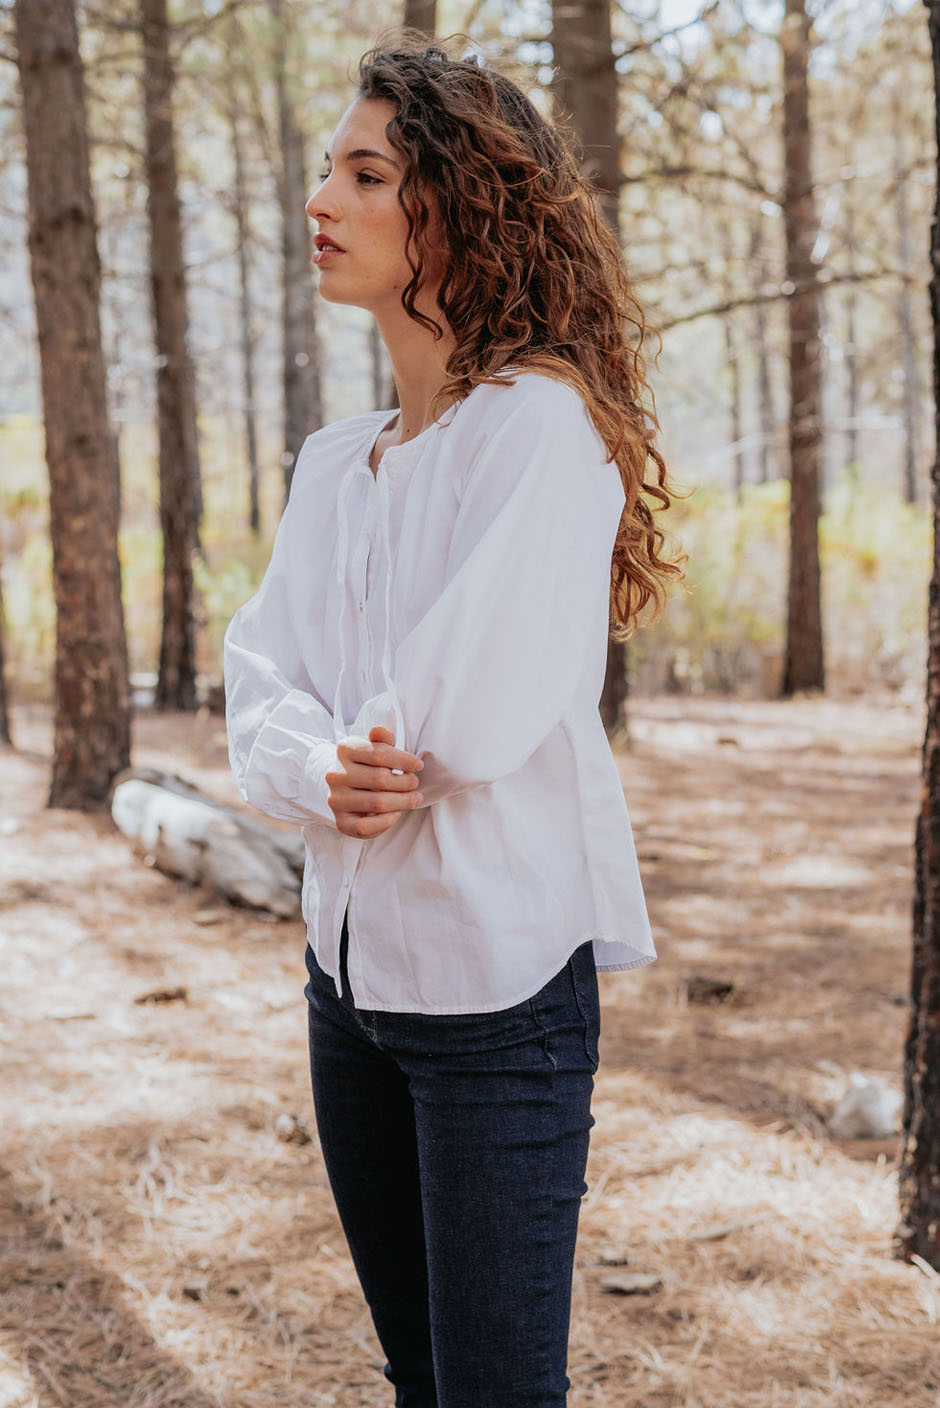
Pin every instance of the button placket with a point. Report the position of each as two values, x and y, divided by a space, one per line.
365 654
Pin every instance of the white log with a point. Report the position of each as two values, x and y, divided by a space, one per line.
188 834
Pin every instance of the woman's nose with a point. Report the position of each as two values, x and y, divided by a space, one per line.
319 201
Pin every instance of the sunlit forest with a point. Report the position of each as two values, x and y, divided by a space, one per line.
760 1227
700 181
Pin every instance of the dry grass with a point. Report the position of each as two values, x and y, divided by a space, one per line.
161 1248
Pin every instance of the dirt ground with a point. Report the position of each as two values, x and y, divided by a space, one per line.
161 1247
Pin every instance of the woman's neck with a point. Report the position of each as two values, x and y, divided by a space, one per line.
418 365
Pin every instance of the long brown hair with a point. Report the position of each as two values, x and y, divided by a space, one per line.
532 277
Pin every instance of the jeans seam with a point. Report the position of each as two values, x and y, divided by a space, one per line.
580 1000
545 1033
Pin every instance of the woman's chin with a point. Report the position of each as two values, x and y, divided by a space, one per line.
332 291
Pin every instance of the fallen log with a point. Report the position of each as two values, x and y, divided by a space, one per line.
187 834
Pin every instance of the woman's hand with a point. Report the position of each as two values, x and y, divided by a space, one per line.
367 797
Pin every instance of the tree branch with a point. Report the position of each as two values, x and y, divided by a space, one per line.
719 309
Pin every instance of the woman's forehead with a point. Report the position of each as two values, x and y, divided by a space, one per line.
363 125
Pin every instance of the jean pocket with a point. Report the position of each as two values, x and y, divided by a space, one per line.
583 972
317 977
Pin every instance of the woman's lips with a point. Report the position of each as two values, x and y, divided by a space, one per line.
325 247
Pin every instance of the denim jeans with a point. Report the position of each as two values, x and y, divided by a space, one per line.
456 1147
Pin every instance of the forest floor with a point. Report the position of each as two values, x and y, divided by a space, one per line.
161 1247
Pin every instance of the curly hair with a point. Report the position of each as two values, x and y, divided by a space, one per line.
532 277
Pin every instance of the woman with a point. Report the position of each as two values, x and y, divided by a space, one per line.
417 681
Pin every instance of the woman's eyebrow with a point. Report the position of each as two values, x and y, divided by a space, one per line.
364 151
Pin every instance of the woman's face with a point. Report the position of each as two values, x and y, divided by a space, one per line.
356 204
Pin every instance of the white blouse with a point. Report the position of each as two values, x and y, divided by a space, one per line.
459 596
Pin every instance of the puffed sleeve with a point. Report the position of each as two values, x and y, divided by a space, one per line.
493 666
281 736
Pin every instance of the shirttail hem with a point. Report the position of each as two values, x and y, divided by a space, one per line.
640 962
623 967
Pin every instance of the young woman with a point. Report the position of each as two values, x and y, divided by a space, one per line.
416 682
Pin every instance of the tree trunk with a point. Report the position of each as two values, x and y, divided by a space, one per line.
803 662
303 408
585 94
918 1231
733 363
5 734
176 684
92 702
767 458
851 336
377 364
421 14
734 407
240 211
907 341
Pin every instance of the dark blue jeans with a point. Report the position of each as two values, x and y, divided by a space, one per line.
456 1148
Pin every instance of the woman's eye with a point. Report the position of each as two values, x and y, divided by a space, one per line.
362 176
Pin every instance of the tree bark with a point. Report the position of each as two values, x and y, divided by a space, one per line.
5 734
303 406
803 661
92 701
851 337
421 14
240 212
733 363
910 386
584 94
918 1231
767 457
176 685
732 357
383 383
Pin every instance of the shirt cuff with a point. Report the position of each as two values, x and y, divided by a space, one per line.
321 759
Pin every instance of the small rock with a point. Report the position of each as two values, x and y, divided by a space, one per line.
869 1109
715 1234
291 1129
209 916
699 988
632 1283
163 995
9 826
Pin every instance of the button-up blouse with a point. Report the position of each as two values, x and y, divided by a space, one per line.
460 597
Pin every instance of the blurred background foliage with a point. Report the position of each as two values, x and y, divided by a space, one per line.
700 213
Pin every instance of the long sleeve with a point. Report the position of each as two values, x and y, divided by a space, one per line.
493 665
281 736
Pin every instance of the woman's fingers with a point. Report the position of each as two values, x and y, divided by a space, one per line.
367 796
364 826
369 776
365 812
368 801
382 755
